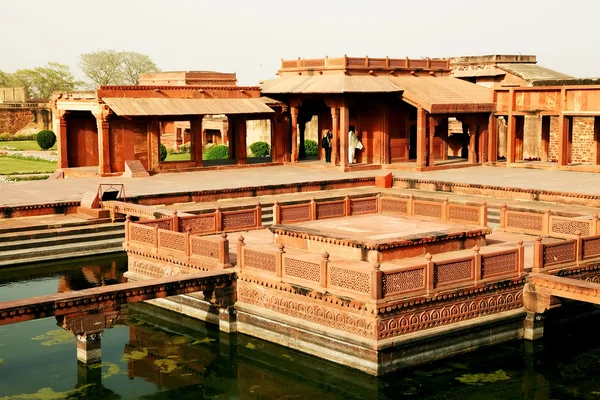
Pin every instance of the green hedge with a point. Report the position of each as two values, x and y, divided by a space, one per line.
45 139
163 152
260 149
311 148
216 152
7 137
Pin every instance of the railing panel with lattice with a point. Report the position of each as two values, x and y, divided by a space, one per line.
502 263
590 248
292 213
304 269
441 210
331 209
143 234
263 261
567 228
203 223
364 205
351 279
565 253
404 281
453 272
241 219
162 223
172 241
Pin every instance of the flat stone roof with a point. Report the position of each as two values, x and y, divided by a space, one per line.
375 231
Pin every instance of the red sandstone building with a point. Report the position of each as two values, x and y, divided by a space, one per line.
509 108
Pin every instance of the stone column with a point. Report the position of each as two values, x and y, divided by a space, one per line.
563 139
103 143
344 129
421 137
153 138
89 347
473 128
240 141
492 144
63 157
196 140
294 113
227 320
335 115
533 326
511 139
432 125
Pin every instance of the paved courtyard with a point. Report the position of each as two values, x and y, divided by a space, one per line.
35 192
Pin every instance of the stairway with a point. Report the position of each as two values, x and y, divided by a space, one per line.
42 244
493 217
267 215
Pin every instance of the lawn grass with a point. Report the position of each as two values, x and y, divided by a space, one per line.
23 145
178 157
9 165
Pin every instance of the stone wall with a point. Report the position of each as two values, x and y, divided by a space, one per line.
583 149
553 145
532 137
258 131
12 121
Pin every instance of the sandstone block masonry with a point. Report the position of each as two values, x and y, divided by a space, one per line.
12 121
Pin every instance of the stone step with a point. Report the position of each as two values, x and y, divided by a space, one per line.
267 216
46 226
48 241
57 257
51 252
59 232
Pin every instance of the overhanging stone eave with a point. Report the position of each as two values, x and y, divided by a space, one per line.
465 108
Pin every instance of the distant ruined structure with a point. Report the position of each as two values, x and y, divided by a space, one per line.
19 114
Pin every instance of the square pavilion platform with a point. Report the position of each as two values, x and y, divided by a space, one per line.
379 237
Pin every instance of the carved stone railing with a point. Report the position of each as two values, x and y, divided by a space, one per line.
180 247
314 271
364 63
483 266
441 210
543 223
315 210
551 257
374 281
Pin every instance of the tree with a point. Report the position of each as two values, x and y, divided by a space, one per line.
41 82
5 79
109 67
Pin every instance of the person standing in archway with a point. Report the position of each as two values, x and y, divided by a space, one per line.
326 143
353 144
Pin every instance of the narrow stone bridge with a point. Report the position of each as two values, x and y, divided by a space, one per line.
88 312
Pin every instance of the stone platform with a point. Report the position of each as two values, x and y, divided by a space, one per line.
378 238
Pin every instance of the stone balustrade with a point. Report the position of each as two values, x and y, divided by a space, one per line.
567 254
346 63
315 210
544 223
381 281
195 251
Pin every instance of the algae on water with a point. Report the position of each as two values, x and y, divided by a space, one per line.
54 337
166 366
48 394
480 379
135 355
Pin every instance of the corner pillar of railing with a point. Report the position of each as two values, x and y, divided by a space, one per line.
596 226
345 61
503 216
387 62
477 264
279 260
258 212
410 209
313 209
347 206
428 63
218 219
546 224
224 251
155 241
376 282
299 62
407 62
578 246
276 213
520 257
240 252
429 274
188 241
483 214
175 222
538 255
324 269
378 204
446 210
127 227
367 61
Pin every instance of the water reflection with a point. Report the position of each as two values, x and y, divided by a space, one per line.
62 276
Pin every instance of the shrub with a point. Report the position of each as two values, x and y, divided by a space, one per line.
260 149
5 137
163 152
217 152
45 139
311 148
185 148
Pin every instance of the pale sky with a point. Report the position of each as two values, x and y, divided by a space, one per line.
251 36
